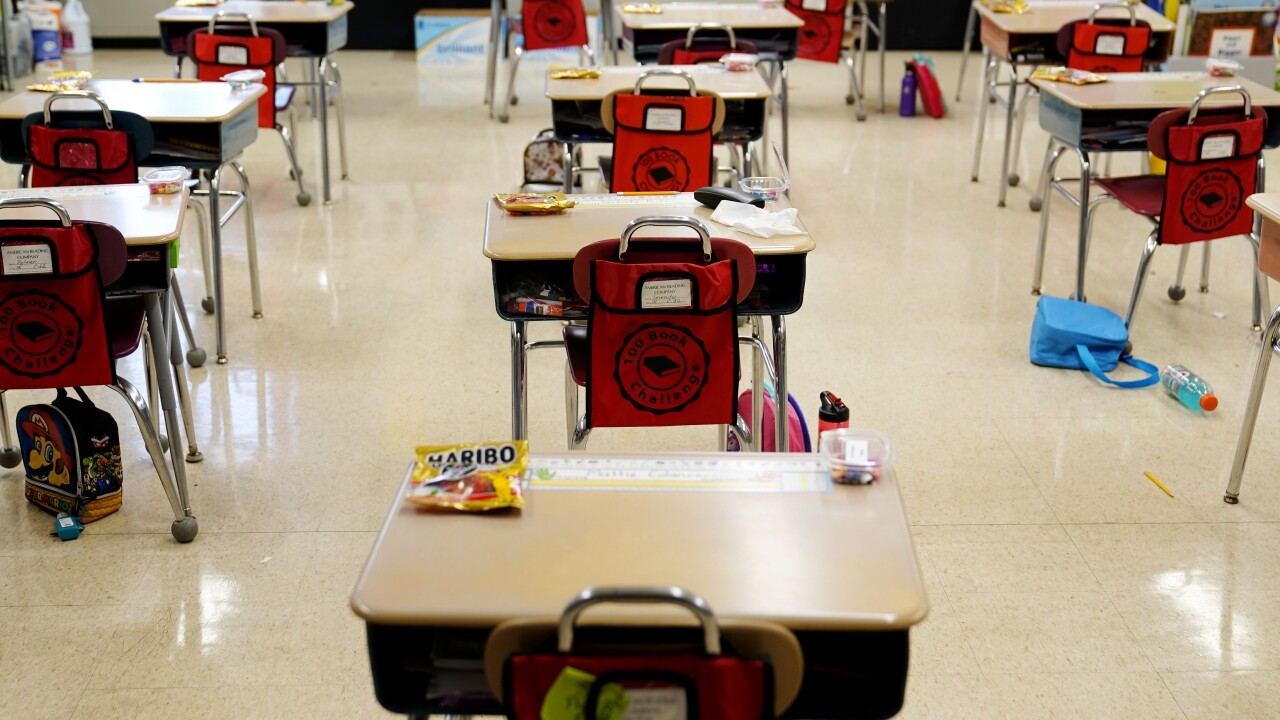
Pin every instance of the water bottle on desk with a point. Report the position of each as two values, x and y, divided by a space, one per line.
1190 389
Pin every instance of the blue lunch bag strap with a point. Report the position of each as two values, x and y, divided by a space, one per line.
1153 375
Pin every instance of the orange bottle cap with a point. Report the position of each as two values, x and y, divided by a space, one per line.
1208 403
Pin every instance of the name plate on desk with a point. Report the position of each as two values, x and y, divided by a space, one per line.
742 473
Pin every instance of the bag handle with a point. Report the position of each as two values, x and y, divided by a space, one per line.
733 39
62 395
1153 374
76 94
223 14
1221 89
693 89
53 205
668 595
1133 16
666 221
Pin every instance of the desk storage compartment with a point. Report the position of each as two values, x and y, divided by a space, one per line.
780 41
420 670
578 121
147 269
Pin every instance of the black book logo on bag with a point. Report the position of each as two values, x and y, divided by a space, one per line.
661 368
39 334
553 21
661 169
1212 200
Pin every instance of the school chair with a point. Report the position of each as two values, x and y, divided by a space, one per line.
660 347
543 25
661 142
1269 265
225 47
718 669
827 24
78 333
72 148
1214 163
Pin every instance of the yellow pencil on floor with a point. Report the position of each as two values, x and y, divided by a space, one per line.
1159 484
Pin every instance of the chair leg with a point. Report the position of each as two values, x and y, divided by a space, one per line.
196 355
339 106
511 98
1042 187
1260 367
984 92
1014 178
184 527
1261 295
250 239
304 197
149 371
855 89
180 377
1176 290
206 261
10 456
1139 282
964 51
579 436
570 404
1050 167
1204 269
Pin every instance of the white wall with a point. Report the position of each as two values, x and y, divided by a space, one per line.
125 18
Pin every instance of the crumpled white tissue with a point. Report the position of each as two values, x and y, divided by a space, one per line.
756 221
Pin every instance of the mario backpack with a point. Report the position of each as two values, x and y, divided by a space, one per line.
71 452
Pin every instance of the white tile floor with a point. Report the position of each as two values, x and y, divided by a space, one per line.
1063 583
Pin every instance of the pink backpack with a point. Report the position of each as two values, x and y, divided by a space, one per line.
797 429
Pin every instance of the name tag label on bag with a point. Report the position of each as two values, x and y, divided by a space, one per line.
26 259
1218 146
664 119
655 704
814 5
233 55
1109 45
676 293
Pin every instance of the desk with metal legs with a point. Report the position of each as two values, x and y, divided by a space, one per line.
315 30
540 249
202 126
1027 40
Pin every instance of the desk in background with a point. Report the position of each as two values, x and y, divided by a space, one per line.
833 564
313 29
1030 39
539 250
198 125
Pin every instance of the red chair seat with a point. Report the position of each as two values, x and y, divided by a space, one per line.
1143 194
578 349
124 316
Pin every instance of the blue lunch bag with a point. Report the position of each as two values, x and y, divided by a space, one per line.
1079 336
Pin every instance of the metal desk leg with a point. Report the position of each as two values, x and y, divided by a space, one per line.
1082 250
964 51
215 243
519 379
786 111
339 105
323 114
781 408
884 24
757 388
491 57
568 167
606 34
1232 496
1010 118
985 88
180 377
156 328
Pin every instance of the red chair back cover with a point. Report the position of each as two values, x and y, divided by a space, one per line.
52 332
1106 45
1213 167
823 30
550 24
662 143
713 688
80 156
663 339
218 53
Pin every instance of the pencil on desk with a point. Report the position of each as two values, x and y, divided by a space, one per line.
165 80
1159 484
650 192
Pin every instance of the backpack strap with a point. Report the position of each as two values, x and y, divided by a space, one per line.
1153 375
62 395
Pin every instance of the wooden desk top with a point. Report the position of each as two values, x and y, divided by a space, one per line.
713 77
559 237
143 218
1154 91
1267 205
840 560
262 11
684 15
1045 18
194 102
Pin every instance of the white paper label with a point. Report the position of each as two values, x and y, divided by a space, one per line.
676 293
1218 146
1231 43
856 452
814 5
1109 45
655 704
233 55
664 119
26 259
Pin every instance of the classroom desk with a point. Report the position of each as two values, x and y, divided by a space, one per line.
540 250
198 125
881 27
1030 39
775 32
833 564
1079 117
575 104
311 29
150 225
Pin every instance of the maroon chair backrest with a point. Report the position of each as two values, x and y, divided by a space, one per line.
550 24
226 49
823 30
662 328
1106 45
1212 168
52 275
78 154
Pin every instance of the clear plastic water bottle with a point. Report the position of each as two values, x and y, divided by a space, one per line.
1190 389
